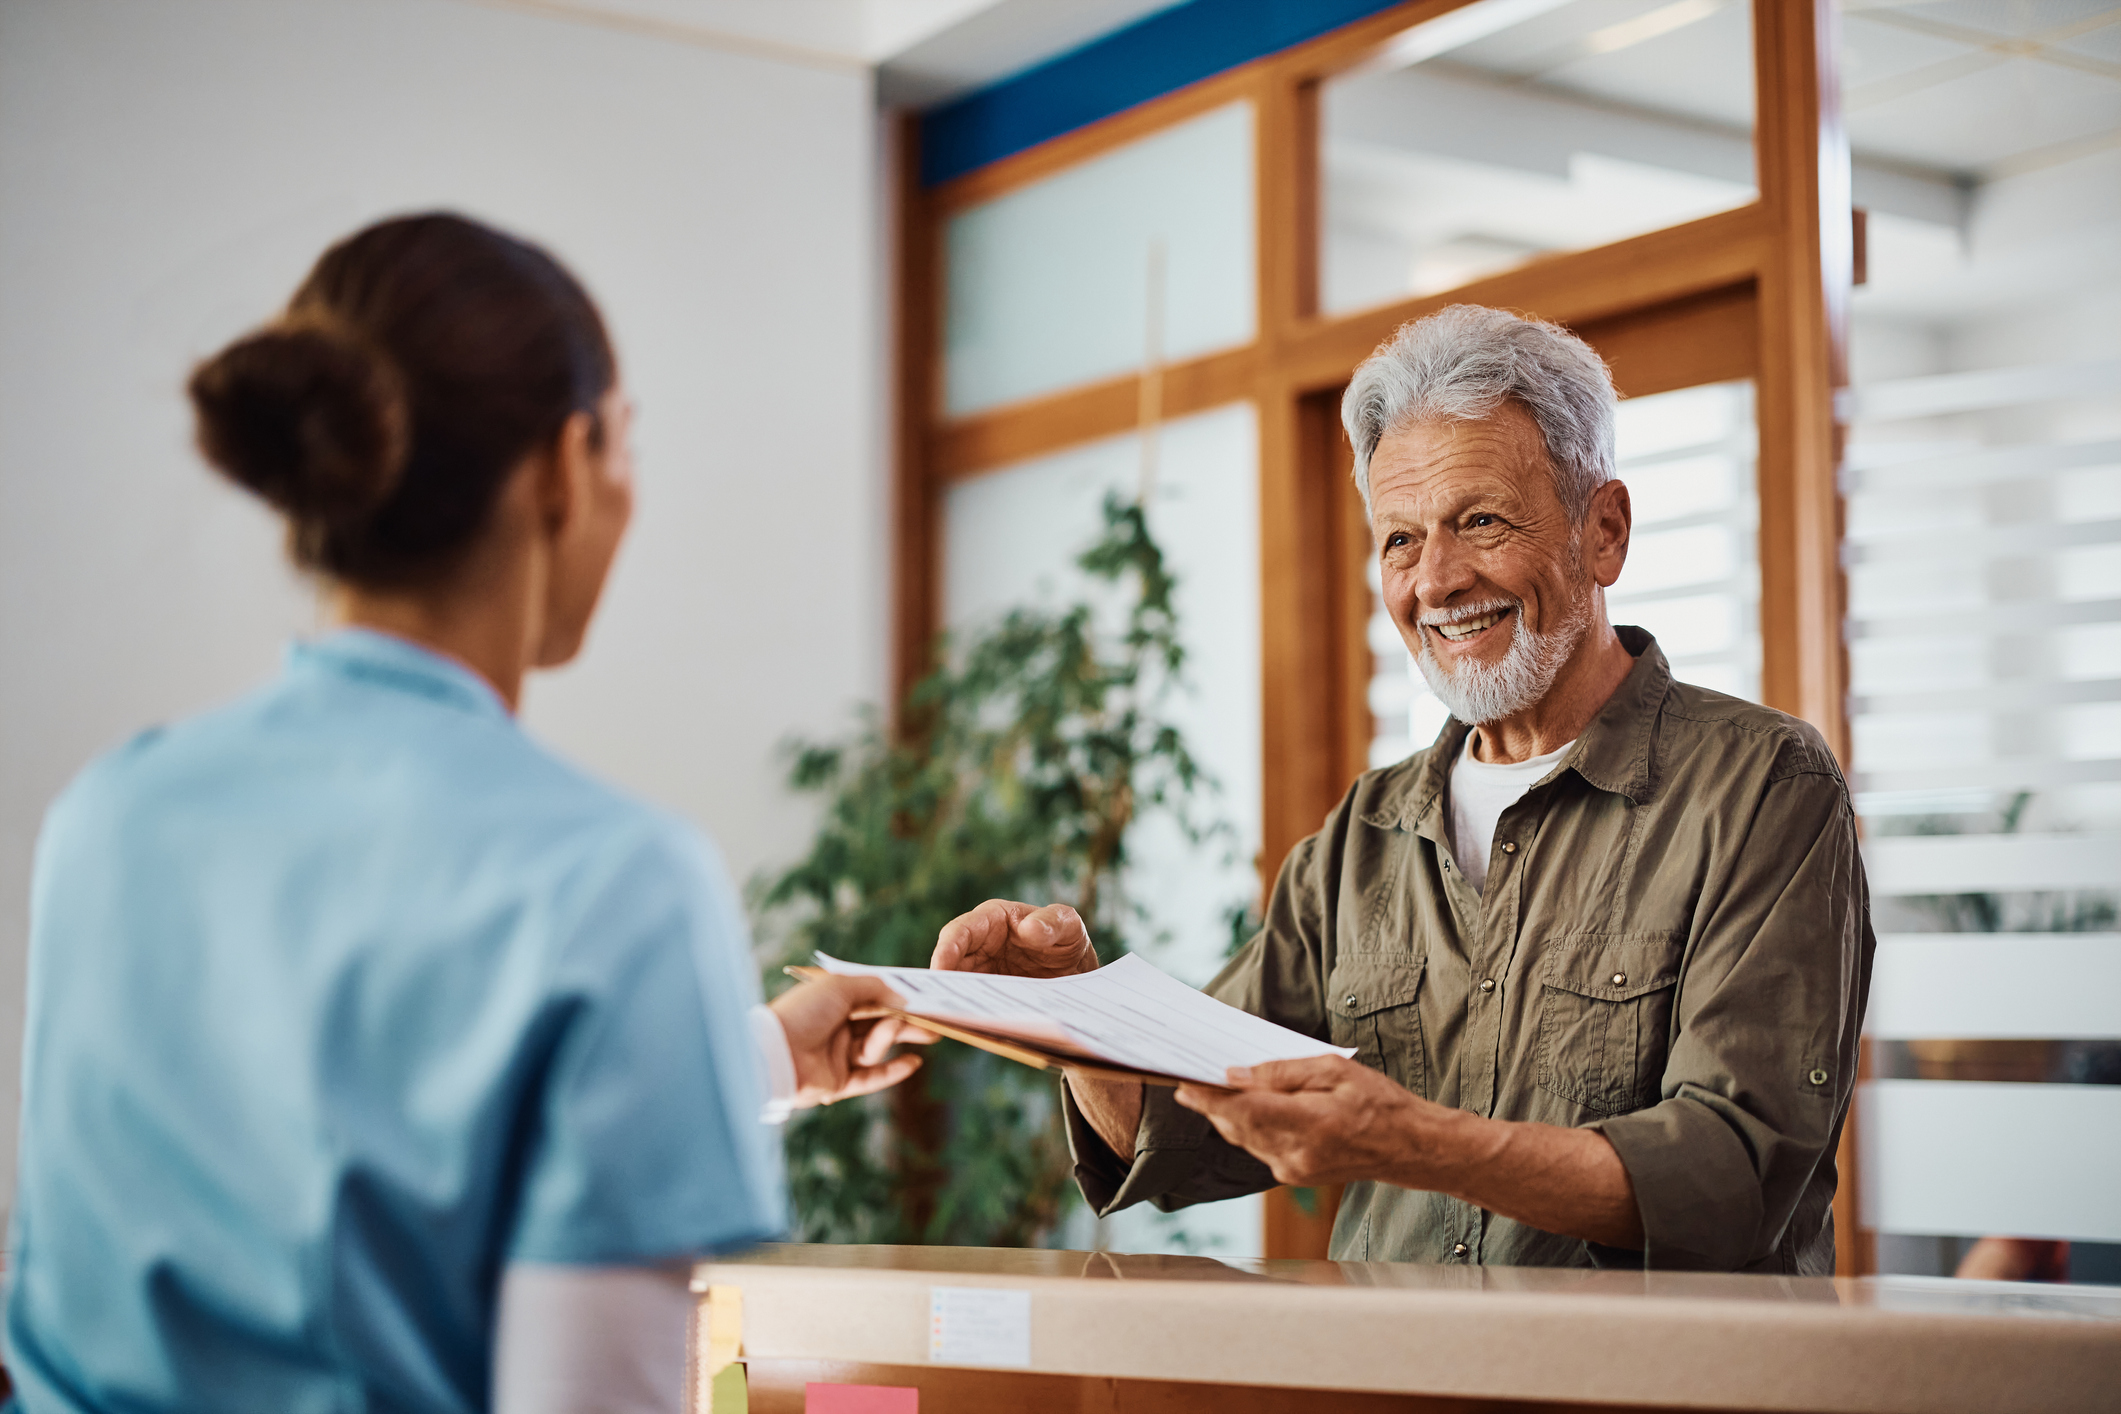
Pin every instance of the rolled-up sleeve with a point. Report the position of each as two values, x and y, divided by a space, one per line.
1179 1158
1762 1060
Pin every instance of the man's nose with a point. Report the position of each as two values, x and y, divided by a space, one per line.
1443 570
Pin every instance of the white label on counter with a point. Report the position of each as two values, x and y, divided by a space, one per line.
979 1325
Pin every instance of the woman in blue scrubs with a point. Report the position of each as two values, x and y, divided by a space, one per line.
351 1008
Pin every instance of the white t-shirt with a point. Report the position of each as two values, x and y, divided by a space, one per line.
1480 792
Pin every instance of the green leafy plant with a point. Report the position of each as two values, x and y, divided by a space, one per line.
1019 766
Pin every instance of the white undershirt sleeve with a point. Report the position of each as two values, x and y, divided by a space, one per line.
778 1063
591 1340
611 1340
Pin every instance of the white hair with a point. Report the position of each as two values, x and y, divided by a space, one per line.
1461 363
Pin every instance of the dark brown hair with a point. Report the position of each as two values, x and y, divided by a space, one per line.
418 364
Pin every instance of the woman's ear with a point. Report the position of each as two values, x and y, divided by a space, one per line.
1606 530
563 476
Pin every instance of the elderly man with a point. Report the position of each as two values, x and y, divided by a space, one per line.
1602 949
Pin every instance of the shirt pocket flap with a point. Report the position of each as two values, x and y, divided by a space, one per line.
1614 972
1362 985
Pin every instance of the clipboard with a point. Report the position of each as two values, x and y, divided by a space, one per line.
1010 1047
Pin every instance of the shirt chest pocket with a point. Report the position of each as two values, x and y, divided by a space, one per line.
1605 1018
1371 1005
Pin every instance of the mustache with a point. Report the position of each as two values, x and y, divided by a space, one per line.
1438 617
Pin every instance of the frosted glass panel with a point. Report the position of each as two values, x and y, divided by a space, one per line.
1692 576
1969 1158
1515 128
1975 986
1011 538
1048 286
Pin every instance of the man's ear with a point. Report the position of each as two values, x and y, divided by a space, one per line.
1605 533
563 476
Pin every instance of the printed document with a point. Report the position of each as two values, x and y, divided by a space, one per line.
1128 1014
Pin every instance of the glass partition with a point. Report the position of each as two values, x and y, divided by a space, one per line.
1011 539
1146 253
1985 654
1984 635
1692 576
1510 130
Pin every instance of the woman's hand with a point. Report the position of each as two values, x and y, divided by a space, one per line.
836 1056
1016 940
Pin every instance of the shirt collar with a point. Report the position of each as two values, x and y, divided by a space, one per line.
389 661
1612 752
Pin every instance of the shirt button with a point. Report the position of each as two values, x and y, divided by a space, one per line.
1620 979
1488 985
1509 847
1818 1077
1351 1000
1460 1250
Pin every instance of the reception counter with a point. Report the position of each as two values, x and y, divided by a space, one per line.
977 1329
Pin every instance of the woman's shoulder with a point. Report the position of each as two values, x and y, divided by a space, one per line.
470 789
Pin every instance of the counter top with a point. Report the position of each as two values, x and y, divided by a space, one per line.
1870 1345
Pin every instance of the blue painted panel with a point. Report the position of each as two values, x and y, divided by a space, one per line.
1153 56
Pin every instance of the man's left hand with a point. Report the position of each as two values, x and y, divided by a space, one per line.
1320 1120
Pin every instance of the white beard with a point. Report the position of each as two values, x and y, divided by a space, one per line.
1478 693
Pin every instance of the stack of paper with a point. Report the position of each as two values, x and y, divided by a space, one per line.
1128 1019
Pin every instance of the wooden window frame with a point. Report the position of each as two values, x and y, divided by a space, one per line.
1759 292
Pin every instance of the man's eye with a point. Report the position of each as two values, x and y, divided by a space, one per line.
1395 540
1485 519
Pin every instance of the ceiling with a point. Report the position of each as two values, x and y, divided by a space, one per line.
923 51
1968 87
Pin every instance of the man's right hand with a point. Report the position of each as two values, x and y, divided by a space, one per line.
1016 940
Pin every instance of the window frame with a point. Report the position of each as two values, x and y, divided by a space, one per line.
1759 292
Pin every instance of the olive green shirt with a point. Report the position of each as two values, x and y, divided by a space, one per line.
1673 947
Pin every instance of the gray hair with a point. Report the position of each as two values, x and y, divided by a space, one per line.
1461 363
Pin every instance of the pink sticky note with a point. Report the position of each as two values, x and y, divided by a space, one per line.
861 1399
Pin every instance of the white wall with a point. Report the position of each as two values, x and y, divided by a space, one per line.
167 173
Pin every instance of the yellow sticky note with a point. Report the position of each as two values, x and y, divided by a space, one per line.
725 1325
729 1393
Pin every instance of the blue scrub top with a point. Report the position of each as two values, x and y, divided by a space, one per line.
340 999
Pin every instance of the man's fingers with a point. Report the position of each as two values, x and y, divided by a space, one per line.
1310 1073
971 937
1202 1099
1055 930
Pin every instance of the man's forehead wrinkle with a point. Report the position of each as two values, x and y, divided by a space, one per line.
1441 492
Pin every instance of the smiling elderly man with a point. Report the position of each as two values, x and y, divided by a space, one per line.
1602 950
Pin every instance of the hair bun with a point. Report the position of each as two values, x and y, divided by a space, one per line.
308 416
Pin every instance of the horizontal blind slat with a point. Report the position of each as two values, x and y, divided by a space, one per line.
1983 388
1977 468
1962 864
2016 773
1981 544
2013 694
2002 618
